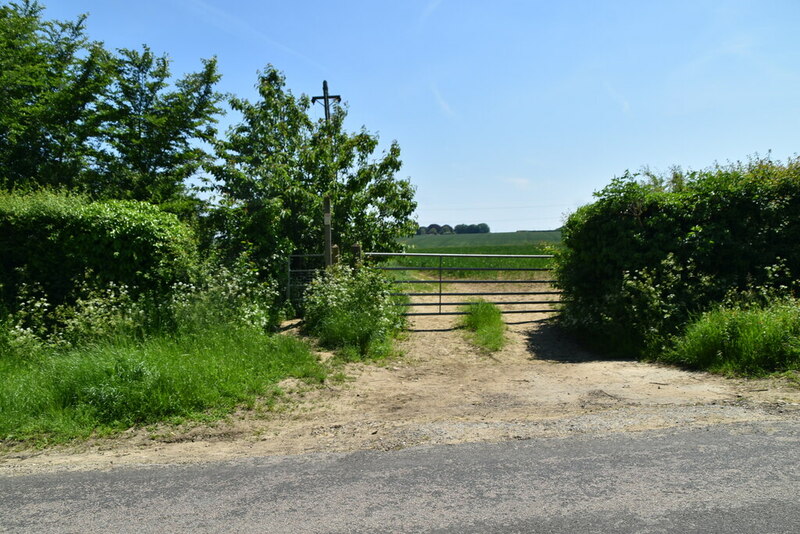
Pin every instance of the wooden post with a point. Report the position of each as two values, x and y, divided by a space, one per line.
358 255
326 215
334 254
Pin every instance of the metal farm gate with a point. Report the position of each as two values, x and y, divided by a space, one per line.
530 293
300 270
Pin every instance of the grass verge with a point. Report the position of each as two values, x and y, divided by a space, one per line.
744 342
485 325
107 387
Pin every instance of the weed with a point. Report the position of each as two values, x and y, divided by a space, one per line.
485 324
353 311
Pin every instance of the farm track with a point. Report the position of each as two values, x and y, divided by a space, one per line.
442 391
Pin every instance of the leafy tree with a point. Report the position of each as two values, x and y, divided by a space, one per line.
74 116
51 77
446 229
278 164
150 133
434 229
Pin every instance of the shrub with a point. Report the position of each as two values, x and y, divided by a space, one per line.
352 310
643 259
742 341
54 244
485 321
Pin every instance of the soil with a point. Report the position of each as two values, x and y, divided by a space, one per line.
442 390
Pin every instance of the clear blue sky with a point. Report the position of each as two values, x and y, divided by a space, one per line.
507 112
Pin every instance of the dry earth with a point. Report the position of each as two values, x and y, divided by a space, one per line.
442 390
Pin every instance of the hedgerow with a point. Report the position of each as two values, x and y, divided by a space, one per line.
53 243
644 259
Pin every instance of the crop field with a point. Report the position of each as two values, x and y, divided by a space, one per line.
507 243
520 242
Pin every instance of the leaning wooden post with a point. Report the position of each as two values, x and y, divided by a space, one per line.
326 209
358 256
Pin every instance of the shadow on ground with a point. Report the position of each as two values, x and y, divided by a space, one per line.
550 342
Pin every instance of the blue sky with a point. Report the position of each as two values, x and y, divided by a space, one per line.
507 112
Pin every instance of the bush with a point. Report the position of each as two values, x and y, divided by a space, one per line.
742 341
352 310
53 244
645 258
485 321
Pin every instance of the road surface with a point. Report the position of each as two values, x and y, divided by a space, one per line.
722 478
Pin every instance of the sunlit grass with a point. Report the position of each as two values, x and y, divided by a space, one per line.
111 386
750 342
484 323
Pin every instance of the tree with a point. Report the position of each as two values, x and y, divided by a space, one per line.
52 77
150 134
74 116
278 164
481 228
434 229
446 229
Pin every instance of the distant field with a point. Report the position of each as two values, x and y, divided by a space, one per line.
500 243
492 243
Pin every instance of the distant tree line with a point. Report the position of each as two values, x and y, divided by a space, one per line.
445 229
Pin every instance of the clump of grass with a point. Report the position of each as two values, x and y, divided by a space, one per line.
485 324
113 385
742 341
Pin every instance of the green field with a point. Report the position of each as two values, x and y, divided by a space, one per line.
491 243
521 243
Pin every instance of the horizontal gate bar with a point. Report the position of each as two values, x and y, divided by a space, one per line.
464 268
412 304
465 313
477 293
446 281
435 255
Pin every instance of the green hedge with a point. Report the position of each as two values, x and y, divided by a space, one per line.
51 243
645 258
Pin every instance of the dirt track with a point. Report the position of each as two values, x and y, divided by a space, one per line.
443 390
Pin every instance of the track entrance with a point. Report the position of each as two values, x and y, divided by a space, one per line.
432 282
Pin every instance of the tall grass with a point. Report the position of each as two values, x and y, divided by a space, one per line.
109 362
116 384
484 321
736 341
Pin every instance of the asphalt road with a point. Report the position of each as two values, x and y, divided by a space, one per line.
727 478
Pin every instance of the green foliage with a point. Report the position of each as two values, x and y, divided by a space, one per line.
52 77
481 228
641 260
278 165
54 245
76 116
111 386
149 132
485 323
352 310
742 341
109 360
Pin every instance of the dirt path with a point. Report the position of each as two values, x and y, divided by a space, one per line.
442 390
